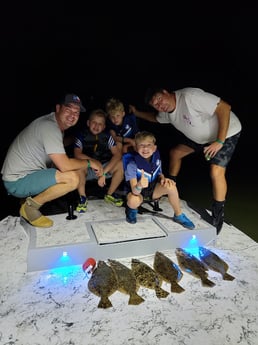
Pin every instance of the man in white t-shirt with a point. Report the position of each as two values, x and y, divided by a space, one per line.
207 125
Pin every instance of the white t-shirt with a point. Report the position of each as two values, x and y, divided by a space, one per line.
195 116
30 150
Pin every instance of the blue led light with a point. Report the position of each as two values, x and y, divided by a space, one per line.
65 257
192 246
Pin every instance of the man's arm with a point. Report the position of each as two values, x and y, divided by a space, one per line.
63 163
92 163
223 114
145 115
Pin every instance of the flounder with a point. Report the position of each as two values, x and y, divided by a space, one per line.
126 281
168 271
190 264
103 283
148 278
215 263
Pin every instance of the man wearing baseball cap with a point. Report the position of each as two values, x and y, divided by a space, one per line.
36 166
73 99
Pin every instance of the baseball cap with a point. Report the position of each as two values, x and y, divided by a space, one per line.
72 98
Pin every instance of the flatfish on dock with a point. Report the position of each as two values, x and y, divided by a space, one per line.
168 271
103 283
192 265
147 277
127 282
215 263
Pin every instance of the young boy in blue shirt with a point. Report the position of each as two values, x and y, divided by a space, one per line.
143 171
121 126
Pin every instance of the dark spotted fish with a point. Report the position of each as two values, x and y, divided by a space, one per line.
215 263
189 263
148 278
103 283
126 281
168 271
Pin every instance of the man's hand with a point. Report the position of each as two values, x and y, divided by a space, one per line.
211 150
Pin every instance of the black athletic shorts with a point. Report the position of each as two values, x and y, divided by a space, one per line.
223 156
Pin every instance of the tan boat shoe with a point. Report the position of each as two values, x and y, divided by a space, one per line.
30 212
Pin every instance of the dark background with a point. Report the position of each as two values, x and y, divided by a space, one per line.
104 50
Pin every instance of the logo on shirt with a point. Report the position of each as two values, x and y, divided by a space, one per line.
187 120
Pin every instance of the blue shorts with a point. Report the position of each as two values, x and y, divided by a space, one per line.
32 184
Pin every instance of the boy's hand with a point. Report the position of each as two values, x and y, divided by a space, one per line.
168 183
102 181
97 167
144 180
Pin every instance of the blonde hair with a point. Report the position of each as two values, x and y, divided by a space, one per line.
141 136
113 105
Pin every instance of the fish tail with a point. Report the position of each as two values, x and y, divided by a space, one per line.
135 299
175 287
160 293
207 282
104 303
228 276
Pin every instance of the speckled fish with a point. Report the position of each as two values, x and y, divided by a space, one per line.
126 281
215 263
191 264
103 283
147 277
168 271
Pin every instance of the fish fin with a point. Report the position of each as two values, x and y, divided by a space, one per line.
207 282
135 299
160 293
228 276
104 303
176 288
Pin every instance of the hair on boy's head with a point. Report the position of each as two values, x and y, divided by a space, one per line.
113 105
98 112
140 136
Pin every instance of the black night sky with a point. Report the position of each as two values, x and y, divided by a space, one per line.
101 50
